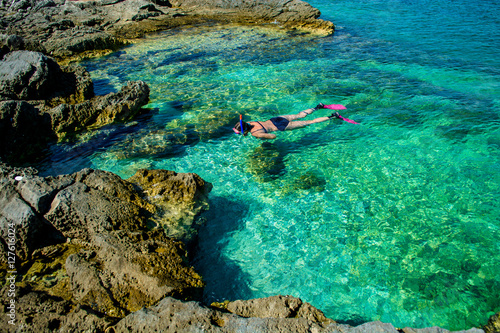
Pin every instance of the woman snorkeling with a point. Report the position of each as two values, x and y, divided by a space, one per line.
262 129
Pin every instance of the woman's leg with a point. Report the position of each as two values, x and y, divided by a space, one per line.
303 123
300 115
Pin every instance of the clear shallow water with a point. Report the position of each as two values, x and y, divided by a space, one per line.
396 219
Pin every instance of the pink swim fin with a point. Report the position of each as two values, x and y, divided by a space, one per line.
335 107
348 120
340 107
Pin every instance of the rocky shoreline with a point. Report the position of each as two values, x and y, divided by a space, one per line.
75 29
94 252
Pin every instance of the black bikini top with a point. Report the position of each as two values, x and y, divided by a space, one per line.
260 129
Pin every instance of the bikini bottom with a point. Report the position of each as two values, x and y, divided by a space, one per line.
280 122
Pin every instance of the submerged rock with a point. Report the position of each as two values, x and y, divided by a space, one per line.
493 325
267 162
179 198
309 180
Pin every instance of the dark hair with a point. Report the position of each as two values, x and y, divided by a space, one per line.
246 126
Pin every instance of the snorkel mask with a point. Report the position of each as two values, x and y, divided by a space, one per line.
242 131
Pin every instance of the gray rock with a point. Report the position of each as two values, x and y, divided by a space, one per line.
172 315
436 329
24 132
18 221
73 28
100 110
91 239
64 43
9 43
87 287
283 11
39 312
294 14
271 307
58 28
61 102
374 327
26 75
19 214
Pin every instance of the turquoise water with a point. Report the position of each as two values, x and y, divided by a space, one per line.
396 219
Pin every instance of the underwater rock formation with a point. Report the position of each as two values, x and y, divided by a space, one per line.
179 199
266 162
493 325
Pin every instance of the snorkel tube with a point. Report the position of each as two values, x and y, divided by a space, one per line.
241 125
241 131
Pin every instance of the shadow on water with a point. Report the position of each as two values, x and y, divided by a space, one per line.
353 320
152 143
226 281
74 155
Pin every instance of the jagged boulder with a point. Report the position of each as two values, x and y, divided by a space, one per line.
20 222
90 238
28 75
171 315
58 28
100 110
263 315
47 313
79 39
41 101
9 43
24 132
276 307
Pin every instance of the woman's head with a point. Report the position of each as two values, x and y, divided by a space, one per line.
246 127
